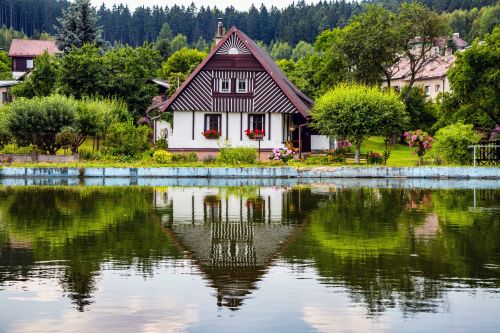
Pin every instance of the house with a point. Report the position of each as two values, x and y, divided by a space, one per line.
5 95
432 76
24 51
232 237
238 87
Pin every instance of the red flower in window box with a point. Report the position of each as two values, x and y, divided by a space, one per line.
212 134
255 134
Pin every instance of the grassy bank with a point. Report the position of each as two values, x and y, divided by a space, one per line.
401 155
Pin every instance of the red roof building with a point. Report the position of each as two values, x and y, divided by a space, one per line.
24 51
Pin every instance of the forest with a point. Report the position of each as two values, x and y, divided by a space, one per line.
298 22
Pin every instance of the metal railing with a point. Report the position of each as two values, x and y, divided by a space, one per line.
486 153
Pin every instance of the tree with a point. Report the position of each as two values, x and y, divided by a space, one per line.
419 27
475 80
179 42
37 121
356 112
78 26
178 67
83 72
421 110
129 68
365 50
5 66
280 50
164 41
43 79
302 50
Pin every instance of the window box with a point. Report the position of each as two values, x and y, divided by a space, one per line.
255 134
212 126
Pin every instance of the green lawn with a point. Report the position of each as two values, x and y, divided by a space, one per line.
401 155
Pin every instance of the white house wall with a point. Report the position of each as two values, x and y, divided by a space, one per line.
320 142
188 206
181 137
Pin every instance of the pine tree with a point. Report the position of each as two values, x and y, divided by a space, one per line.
78 26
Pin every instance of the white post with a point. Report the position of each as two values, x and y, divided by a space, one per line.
475 156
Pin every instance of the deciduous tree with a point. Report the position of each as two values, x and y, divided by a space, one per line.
356 112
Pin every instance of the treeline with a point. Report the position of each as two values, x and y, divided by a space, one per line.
292 24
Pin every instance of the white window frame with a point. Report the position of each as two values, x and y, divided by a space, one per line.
228 90
29 64
238 86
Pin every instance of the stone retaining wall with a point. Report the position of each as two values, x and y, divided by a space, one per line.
27 158
284 172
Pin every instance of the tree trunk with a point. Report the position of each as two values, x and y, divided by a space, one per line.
358 152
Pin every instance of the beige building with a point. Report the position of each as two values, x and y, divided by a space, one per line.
432 76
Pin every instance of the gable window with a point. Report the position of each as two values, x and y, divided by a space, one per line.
256 121
242 86
213 122
225 85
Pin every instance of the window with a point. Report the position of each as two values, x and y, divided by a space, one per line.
437 87
242 86
213 122
225 85
396 88
256 121
427 90
29 63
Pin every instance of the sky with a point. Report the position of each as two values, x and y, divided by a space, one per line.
238 4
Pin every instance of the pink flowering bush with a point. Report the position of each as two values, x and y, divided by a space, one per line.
420 140
281 154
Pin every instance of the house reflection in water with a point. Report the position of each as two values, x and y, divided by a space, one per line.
232 234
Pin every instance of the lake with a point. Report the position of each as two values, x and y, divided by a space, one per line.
321 257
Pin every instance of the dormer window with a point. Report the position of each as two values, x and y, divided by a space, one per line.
225 85
242 86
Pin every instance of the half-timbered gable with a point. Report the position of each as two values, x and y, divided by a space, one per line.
234 78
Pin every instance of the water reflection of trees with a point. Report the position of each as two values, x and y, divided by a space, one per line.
80 228
390 247
401 247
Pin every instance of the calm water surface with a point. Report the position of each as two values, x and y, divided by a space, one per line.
249 259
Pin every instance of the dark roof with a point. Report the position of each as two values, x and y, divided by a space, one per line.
32 48
301 102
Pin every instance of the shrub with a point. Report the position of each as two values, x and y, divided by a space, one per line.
209 159
127 140
13 149
452 143
161 144
37 121
280 154
241 155
420 140
185 158
316 160
375 158
162 157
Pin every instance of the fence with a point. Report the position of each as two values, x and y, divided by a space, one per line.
487 154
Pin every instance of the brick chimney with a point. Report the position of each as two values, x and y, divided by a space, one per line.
220 31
